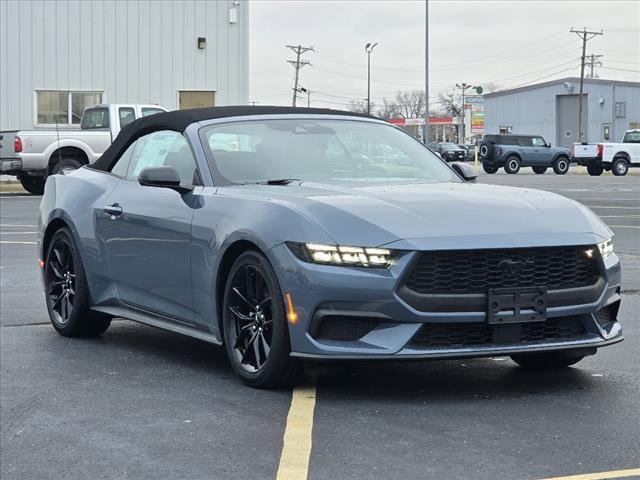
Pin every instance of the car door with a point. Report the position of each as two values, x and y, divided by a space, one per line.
146 230
539 151
525 148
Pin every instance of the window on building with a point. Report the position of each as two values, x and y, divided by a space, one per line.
506 130
621 109
63 107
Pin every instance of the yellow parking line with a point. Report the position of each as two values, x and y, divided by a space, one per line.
633 472
296 450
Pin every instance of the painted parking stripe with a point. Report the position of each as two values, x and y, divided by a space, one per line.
296 450
631 473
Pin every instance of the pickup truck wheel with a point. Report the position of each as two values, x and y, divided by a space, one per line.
539 170
619 167
547 360
512 165
561 166
65 166
595 170
32 184
490 167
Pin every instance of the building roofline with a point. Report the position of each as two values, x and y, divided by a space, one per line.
597 81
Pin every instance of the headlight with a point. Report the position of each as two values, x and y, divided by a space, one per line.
342 255
606 248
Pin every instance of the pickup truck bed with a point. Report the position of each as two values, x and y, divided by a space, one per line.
614 157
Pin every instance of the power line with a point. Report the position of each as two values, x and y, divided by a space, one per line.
297 65
593 62
585 35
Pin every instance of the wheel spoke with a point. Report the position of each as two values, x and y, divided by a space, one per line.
241 335
57 269
248 348
242 297
58 255
265 345
250 286
240 316
264 302
57 299
256 351
63 306
55 285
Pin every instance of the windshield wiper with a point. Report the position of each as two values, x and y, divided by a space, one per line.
279 181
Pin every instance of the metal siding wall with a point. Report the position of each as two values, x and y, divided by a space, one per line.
136 51
534 111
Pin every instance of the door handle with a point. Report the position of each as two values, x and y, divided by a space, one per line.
114 210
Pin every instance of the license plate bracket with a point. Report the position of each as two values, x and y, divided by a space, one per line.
517 305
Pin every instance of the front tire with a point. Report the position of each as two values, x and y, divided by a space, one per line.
561 166
490 168
66 291
539 170
595 170
32 184
547 360
256 333
619 167
512 165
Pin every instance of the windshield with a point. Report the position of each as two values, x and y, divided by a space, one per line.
449 146
631 137
319 150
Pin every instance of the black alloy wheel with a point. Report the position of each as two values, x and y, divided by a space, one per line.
255 328
61 281
252 326
66 290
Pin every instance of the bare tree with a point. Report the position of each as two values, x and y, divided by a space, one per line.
491 87
411 104
389 109
359 106
450 104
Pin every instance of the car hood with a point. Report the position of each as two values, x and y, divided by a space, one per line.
443 215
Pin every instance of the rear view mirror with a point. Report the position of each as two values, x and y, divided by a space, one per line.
162 177
465 171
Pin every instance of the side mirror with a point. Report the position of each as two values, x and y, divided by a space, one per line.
162 177
549 144
465 171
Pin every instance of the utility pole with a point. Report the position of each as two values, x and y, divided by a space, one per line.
463 87
426 72
592 61
585 35
297 65
369 48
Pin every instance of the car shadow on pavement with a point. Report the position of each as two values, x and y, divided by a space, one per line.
444 381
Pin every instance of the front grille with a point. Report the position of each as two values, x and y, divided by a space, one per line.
459 335
475 271
607 315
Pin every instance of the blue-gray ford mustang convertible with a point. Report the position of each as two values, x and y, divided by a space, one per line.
291 234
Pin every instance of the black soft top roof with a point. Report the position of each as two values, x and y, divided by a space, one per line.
179 120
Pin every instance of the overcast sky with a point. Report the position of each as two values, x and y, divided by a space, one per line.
510 43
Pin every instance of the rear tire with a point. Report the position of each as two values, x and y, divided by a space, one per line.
254 314
32 184
561 166
619 167
65 166
595 170
547 360
539 170
490 168
66 290
512 165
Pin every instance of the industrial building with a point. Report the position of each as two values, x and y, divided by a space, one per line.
550 109
59 56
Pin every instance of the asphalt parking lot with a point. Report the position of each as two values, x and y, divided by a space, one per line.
143 403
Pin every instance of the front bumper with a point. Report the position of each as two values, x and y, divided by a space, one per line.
389 326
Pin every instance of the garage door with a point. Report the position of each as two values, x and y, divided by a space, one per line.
567 107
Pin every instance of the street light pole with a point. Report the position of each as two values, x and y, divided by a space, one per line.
369 48
463 87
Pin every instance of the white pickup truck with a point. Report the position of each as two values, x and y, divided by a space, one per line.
614 157
31 155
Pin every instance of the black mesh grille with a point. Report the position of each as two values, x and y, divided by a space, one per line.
475 271
606 315
340 327
453 335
